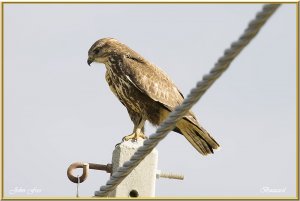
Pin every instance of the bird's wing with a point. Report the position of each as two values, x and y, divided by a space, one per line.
152 81
155 83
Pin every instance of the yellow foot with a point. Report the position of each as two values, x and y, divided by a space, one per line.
134 136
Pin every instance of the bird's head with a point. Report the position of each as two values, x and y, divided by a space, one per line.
101 49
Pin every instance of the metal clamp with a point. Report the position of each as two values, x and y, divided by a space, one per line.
85 172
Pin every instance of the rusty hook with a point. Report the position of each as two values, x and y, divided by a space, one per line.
85 172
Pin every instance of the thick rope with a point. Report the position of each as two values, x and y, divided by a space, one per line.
195 94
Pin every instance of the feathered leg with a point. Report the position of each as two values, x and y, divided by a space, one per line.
138 130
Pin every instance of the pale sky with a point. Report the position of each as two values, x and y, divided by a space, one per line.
58 110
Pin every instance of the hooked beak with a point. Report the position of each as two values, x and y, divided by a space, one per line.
90 60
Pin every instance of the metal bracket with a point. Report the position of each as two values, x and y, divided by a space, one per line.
85 172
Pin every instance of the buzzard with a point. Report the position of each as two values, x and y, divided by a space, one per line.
146 91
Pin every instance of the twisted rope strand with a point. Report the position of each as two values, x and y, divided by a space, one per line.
195 94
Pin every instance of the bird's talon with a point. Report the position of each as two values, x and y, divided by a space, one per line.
117 144
134 137
144 137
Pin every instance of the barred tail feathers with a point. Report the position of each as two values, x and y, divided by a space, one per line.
198 137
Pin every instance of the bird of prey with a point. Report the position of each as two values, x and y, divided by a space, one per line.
146 91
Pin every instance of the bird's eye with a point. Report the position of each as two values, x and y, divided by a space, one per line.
96 51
